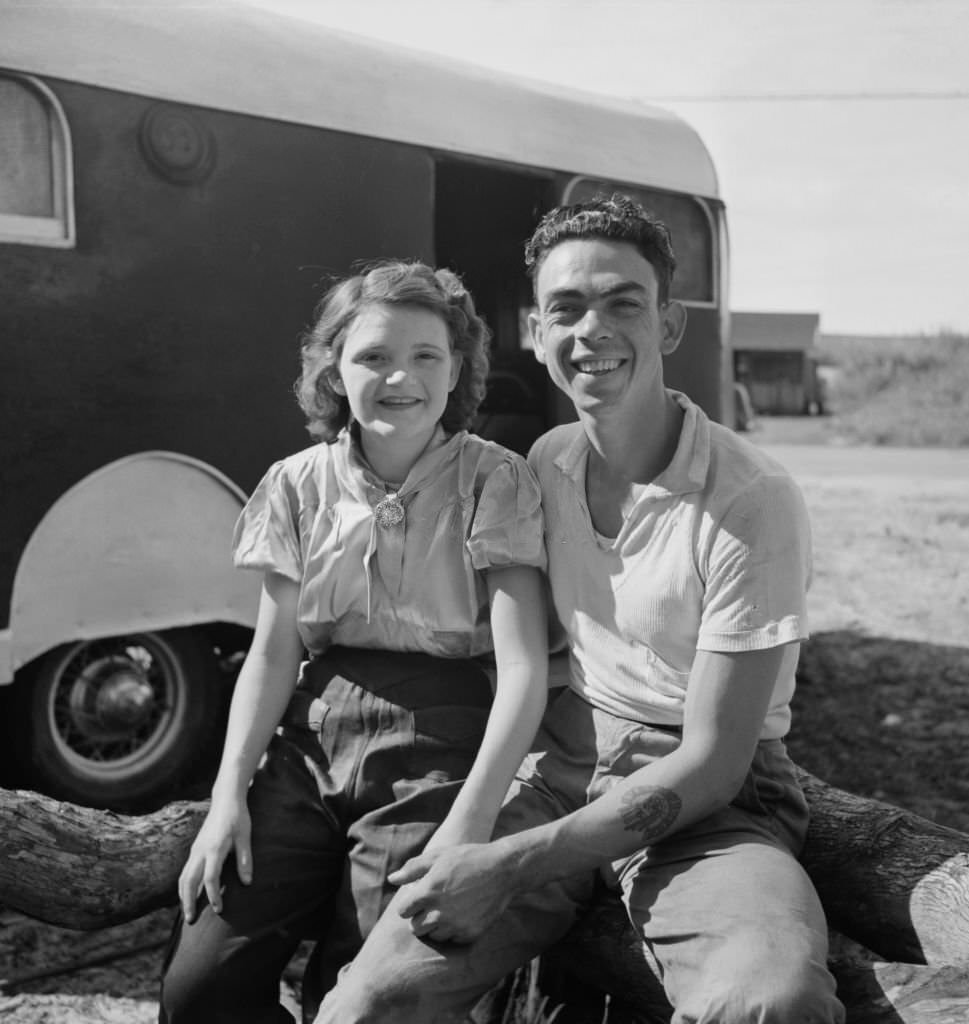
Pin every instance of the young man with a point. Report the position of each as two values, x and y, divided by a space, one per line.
679 557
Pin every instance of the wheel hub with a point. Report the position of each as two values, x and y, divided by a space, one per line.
112 698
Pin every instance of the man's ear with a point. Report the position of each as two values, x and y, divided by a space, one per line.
535 333
674 324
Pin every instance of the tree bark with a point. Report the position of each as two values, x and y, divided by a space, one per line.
81 868
892 881
895 882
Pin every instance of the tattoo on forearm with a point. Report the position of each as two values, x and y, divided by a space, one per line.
650 810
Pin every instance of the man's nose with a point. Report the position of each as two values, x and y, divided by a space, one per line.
592 326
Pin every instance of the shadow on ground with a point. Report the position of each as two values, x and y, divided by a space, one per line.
888 719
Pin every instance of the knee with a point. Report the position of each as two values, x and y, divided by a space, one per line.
185 995
195 990
801 991
389 999
765 993
177 983
428 988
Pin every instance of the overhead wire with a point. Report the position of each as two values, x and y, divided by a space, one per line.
814 97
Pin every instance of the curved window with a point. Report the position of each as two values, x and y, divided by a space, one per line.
690 227
36 201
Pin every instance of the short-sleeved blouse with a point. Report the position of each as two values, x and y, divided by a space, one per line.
470 505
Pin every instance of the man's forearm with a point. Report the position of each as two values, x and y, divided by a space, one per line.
643 808
723 718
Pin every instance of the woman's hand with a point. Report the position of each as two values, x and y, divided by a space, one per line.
227 829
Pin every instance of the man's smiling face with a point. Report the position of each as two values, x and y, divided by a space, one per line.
599 327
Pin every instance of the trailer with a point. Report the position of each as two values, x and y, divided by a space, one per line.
178 186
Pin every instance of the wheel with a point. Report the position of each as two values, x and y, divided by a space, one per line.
121 721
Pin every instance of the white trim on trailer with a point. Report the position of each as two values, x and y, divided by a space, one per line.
237 58
143 543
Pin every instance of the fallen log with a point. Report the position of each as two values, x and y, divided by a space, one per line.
894 882
82 868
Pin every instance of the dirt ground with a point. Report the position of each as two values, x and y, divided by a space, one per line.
882 706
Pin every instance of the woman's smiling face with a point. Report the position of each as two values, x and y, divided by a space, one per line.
397 369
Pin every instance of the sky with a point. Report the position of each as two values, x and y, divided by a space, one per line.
839 128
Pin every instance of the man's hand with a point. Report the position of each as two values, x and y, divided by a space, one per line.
455 893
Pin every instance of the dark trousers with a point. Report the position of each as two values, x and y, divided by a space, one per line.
371 753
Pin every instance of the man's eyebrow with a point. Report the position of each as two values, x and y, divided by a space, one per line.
624 286
607 293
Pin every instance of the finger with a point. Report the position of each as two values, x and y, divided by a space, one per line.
450 933
410 902
426 922
188 891
439 934
244 860
213 885
416 867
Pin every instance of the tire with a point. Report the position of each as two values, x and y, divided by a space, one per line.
121 722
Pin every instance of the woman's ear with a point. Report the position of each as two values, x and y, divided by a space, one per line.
457 358
336 382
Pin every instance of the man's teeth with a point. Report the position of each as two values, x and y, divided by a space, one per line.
597 365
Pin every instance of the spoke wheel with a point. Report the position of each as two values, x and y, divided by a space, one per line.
119 721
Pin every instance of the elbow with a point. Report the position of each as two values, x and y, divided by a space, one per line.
717 792
729 787
524 693
718 783
538 702
732 775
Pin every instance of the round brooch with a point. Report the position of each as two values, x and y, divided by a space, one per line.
389 512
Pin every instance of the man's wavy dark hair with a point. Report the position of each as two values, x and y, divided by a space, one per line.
615 217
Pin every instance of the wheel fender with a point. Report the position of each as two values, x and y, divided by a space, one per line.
142 543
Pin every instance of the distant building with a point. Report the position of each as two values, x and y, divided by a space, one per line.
776 359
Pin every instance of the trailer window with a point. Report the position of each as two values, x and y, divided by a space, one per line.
690 225
35 166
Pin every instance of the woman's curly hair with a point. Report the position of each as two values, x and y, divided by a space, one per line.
391 283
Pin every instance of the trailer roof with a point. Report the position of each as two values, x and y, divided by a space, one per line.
233 57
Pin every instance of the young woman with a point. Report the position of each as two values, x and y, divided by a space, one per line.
397 553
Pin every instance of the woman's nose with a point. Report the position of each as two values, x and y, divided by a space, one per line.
396 376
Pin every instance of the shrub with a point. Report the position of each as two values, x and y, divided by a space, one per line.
899 390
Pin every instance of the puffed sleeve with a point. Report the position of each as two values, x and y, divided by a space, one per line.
266 534
758 571
508 528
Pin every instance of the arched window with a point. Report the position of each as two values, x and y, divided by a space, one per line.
36 180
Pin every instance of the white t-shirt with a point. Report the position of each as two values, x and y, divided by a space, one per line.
715 555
